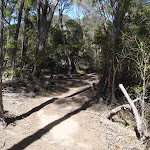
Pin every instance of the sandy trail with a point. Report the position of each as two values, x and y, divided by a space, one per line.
58 124
67 120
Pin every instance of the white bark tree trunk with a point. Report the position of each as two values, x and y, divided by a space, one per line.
135 112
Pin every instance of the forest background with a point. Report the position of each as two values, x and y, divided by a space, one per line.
110 37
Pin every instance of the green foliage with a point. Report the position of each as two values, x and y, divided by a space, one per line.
80 71
18 72
102 37
8 73
148 67
74 37
6 57
74 30
138 19
138 89
86 40
28 3
7 13
10 44
136 39
56 36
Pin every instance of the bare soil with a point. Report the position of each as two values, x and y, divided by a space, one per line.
67 118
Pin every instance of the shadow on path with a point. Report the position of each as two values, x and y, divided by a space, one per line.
25 115
78 92
37 135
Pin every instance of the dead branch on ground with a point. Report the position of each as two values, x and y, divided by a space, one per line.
140 130
120 108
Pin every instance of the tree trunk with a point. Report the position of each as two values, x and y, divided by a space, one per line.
45 12
16 34
120 7
107 81
1 45
68 62
27 25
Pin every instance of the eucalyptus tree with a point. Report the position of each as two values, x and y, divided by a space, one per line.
113 13
63 4
45 12
120 8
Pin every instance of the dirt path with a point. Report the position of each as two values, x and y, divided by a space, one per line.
63 121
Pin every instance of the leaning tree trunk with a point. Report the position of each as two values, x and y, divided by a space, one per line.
1 45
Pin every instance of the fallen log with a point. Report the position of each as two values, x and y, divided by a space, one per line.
120 108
